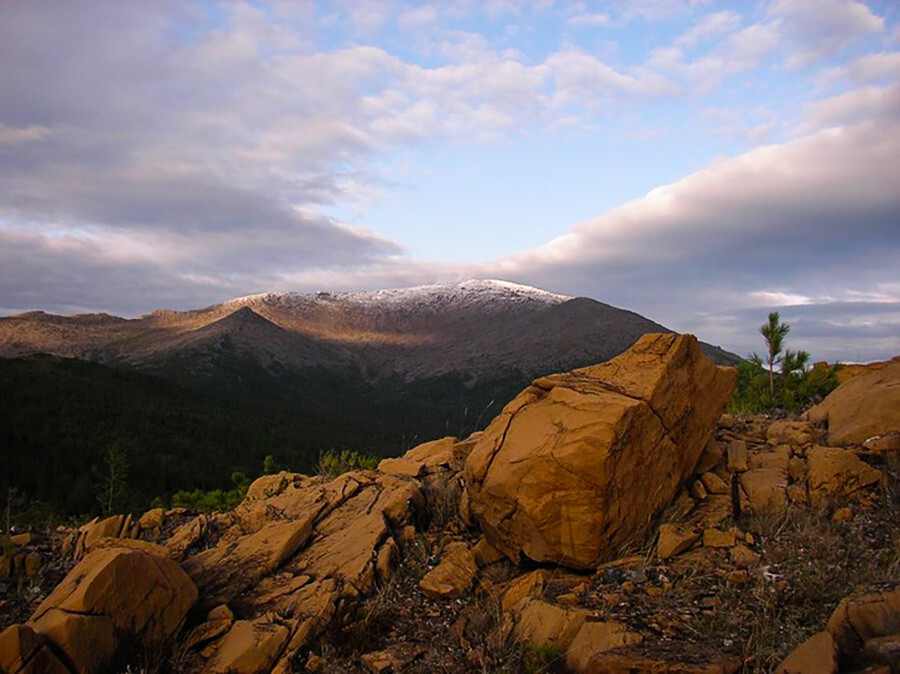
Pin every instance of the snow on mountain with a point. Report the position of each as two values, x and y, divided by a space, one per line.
465 294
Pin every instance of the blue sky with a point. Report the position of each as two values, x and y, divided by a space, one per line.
699 162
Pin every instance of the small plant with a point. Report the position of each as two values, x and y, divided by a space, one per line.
333 463
794 387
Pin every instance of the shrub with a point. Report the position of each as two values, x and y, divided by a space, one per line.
336 463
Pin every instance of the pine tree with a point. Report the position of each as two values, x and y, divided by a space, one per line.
774 332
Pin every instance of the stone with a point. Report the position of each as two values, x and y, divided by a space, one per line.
486 554
865 406
21 540
290 554
24 651
115 598
778 457
545 625
626 663
249 647
859 618
765 489
675 539
529 585
715 484
744 557
710 457
698 490
737 456
222 572
152 519
597 637
836 473
716 538
560 475
453 576
95 530
816 655
739 577
883 650
886 442
789 432
844 514
315 662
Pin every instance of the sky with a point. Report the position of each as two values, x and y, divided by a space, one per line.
701 163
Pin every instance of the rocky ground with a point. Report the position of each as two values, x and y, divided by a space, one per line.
761 545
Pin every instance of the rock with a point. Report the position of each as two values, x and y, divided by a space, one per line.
559 476
675 539
862 407
222 572
715 484
23 651
485 553
737 456
744 557
401 466
621 663
545 625
698 490
529 585
453 576
739 577
844 514
21 540
859 618
294 550
152 519
314 663
883 650
186 536
594 638
886 442
709 458
836 473
249 647
93 531
765 489
115 599
793 433
716 538
816 655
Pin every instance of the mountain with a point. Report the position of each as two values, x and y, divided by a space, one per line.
475 329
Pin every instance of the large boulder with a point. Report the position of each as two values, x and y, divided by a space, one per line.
865 406
115 601
577 464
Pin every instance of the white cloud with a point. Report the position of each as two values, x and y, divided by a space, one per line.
710 26
589 20
817 29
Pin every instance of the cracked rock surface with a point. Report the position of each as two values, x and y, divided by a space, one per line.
577 464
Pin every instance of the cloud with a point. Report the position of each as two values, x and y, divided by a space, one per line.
813 218
817 29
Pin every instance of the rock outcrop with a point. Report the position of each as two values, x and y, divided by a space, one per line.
117 602
286 558
561 475
863 407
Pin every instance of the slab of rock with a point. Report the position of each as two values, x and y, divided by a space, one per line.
24 651
816 655
765 489
675 539
288 555
859 618
561 474
737 456
597 637
453 576
835 472
114 600
865 406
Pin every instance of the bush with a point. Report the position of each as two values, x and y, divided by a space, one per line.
793 389
336 463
